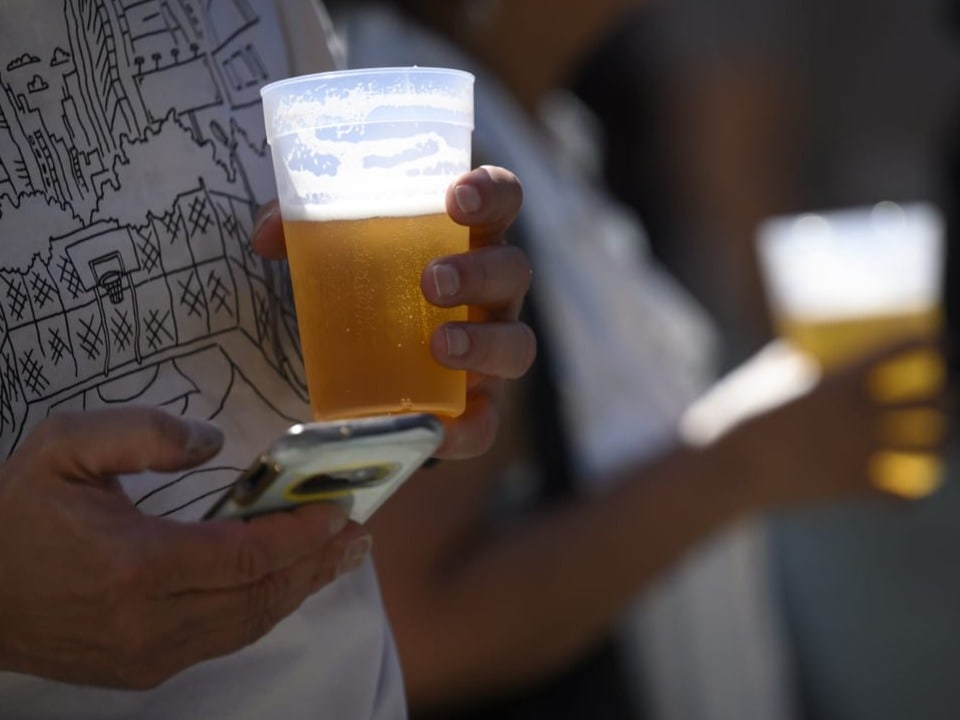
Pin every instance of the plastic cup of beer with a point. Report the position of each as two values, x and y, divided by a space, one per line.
844 282
363 160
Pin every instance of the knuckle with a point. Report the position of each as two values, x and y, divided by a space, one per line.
476 434
142 674
505 179
478 274
486 432
51 425
482 355
266 601
251 561
49 433
514 268
527 349
135 649
125 575
119 582
516 188
524 268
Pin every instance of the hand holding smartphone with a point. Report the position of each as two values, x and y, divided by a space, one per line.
358 463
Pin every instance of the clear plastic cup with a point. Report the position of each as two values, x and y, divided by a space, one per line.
844 282
363 160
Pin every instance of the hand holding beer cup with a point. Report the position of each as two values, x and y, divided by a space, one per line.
491 278
792 435
848 284
376 199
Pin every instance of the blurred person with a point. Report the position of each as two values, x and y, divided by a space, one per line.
762 109
700 141
147 352
512 590
748 109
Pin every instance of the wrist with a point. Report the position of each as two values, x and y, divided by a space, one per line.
711 481
741 463
732 467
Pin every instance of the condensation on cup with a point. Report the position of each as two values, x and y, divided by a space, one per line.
363 160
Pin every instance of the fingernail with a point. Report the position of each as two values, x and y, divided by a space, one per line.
203 438
354 554
468 198
458 342
446 279
265 213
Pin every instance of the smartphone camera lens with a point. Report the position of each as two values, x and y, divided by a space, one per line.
255 480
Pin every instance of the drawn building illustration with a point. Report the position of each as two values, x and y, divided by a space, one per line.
117 286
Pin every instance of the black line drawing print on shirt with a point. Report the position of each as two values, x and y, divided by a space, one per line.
135 140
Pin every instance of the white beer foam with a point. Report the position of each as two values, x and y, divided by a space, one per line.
388 174
364 209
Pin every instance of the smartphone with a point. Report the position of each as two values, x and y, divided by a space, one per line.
357 463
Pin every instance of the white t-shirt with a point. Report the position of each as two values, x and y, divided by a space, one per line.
132 162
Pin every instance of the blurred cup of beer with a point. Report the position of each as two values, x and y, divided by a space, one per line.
845 282
363 160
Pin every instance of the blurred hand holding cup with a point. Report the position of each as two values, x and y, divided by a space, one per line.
846 282
363 160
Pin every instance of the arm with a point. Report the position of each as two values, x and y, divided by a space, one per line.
480 609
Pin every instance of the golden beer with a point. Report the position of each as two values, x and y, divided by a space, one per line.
364 324
833 341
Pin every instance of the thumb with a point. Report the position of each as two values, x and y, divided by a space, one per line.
91 445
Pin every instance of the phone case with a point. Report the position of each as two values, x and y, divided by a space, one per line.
358 463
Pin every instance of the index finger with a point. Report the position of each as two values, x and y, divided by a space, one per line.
267 237
221 554
905 368
899 346
487 199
